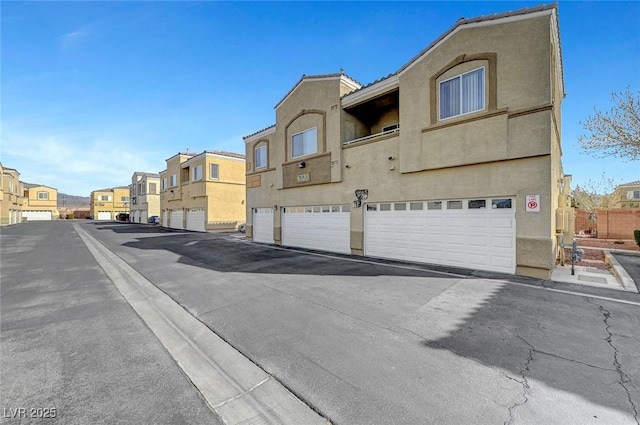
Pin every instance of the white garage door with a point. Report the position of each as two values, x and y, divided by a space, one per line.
325 228
263 225
134 216
104 215
470 233
36 215
175 219
165 218
143 216
195 219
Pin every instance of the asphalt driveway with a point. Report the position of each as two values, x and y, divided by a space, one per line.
378 343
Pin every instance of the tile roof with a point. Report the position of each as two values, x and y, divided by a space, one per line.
317 76
464 21
634 183
225 153
259 131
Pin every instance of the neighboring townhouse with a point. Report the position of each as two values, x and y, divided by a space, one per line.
627 195
203 191
107 204
454 159
145 196
12 197
40 203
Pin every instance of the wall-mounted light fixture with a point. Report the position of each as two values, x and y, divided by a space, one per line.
391 158
392 168
302 164
275 208
347 166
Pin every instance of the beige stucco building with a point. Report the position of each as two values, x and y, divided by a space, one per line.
107 204
40 203
203 191
144 196
12 200
627 195
454 159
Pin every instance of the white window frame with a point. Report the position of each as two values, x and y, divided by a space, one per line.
305 144
214 175
102 198
461 100
124 199
631 194
43 198
163 183
174 180
196 173
262 157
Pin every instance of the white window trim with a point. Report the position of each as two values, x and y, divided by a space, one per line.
173 182
305 153
217 177
194 173
45 198
484 94
265 162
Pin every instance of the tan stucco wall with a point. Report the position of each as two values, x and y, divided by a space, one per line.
12 196
32 203
511 149
223 199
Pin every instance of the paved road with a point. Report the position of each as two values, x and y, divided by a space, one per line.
72 348
367 343
631 263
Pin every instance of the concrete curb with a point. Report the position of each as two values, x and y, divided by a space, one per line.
620 273
236 389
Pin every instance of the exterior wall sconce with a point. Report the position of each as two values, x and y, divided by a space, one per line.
391 158
302 164
347 166
392 168
275 208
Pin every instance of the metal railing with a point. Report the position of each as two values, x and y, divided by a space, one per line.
371 136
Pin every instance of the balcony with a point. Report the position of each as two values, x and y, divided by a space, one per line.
374 137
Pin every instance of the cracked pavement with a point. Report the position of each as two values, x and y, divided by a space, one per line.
370 343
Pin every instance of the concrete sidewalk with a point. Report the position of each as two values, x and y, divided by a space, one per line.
616 278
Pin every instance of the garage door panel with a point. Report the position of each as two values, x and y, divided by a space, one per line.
176 219
195 219
37 215
104 215
476 238
327 231
263 225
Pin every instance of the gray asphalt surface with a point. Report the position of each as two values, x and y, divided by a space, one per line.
72 348
371 343
631 263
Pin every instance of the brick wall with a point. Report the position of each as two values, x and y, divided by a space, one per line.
582 222
618 223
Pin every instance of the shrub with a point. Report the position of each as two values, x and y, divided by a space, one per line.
70 216
636 236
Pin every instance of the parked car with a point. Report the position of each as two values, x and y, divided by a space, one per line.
154 219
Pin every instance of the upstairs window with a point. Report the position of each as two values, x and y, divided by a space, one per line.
214 172
163 184
152 188
196 173
174 180
104 197
462 94
305 143
633 194
260 157
124 199
43 196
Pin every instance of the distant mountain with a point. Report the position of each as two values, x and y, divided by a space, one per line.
72 201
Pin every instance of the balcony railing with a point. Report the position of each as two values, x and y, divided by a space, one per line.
371 136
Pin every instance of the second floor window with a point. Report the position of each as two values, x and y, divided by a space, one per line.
43 195
196 173
462 94
124 199
104 197
260 157
163 184
152 188
174 180
214 172
633 194
304 143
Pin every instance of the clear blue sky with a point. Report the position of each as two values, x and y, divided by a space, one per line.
93 91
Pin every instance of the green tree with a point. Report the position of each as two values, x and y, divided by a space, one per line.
616 132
